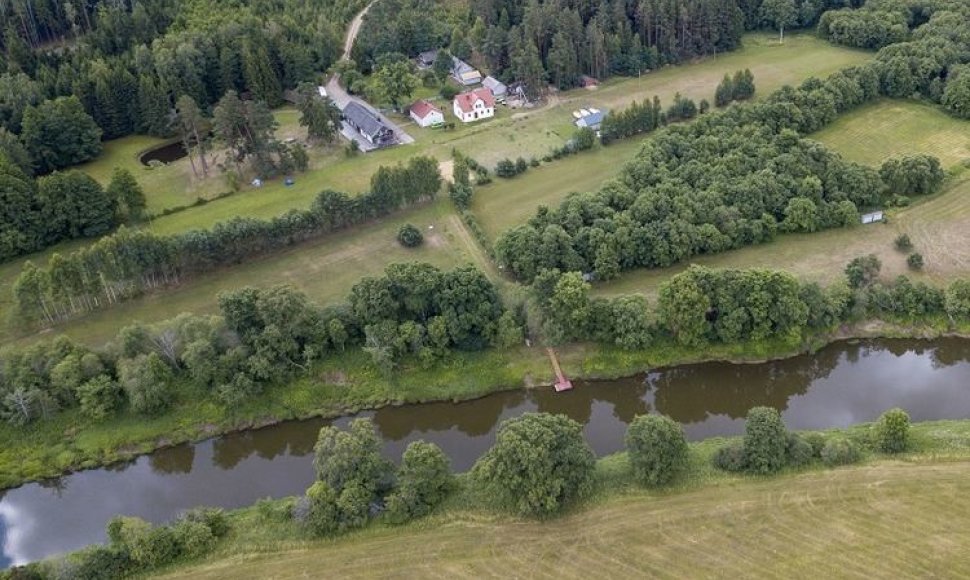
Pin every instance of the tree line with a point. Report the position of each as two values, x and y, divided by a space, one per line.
703 306
130 261
731 179
262 337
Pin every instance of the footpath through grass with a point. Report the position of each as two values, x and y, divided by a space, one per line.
886 518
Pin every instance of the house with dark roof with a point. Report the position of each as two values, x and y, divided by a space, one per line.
425 114
426 59
474 105
368 124
464 73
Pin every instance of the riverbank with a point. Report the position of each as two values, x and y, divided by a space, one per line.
800 523
349 384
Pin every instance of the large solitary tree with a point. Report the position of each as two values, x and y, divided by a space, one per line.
396 81
318 114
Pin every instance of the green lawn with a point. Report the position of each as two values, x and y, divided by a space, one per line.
938 225
889 128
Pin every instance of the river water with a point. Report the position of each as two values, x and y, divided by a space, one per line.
844 383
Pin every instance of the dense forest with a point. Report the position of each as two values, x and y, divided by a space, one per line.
559 40
736 177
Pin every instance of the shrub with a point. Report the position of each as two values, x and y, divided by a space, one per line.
840 451
539 463
271 510
915 261
317 511
505 168
863 270
892 431
521 165
424 479
100 563
448 92
765 441
410 236
729 458
903 243
99 397
193 538
344 458
798 451
817 442
213 518
657 447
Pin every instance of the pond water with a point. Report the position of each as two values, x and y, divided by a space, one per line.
843 384
165 153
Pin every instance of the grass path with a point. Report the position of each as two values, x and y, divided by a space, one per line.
886 520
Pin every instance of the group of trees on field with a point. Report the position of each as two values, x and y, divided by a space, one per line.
119 266
731 179
36 213
263 336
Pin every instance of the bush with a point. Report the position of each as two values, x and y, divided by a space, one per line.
817 442
99 397
903 243
840 451
317 511
729 458
765 441
539 463
915 261
424 480
657 447
892 431
448 92
100 563
863 270
213 518
410 236
798 451
193 538
505 168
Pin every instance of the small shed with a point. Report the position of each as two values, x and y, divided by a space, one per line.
425 114
464 73
872 217
498 87
588 82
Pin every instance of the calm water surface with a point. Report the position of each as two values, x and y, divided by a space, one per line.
841 385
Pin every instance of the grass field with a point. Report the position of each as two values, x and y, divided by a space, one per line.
938 225
884 129
886 518
327 268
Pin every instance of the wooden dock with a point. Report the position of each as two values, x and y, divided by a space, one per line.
562 383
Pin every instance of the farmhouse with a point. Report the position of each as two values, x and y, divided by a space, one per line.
497 87
474 105
368 124
425 114
464 73
589 118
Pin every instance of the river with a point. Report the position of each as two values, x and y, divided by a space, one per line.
843 384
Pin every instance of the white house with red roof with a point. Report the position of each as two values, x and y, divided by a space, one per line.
426 115
475 105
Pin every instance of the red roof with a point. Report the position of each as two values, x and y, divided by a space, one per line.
466 101
423 108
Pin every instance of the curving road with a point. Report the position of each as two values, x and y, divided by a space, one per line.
341 97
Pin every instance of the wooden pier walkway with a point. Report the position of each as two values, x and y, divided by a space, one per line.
562 383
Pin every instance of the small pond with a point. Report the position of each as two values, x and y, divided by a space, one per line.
165 153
